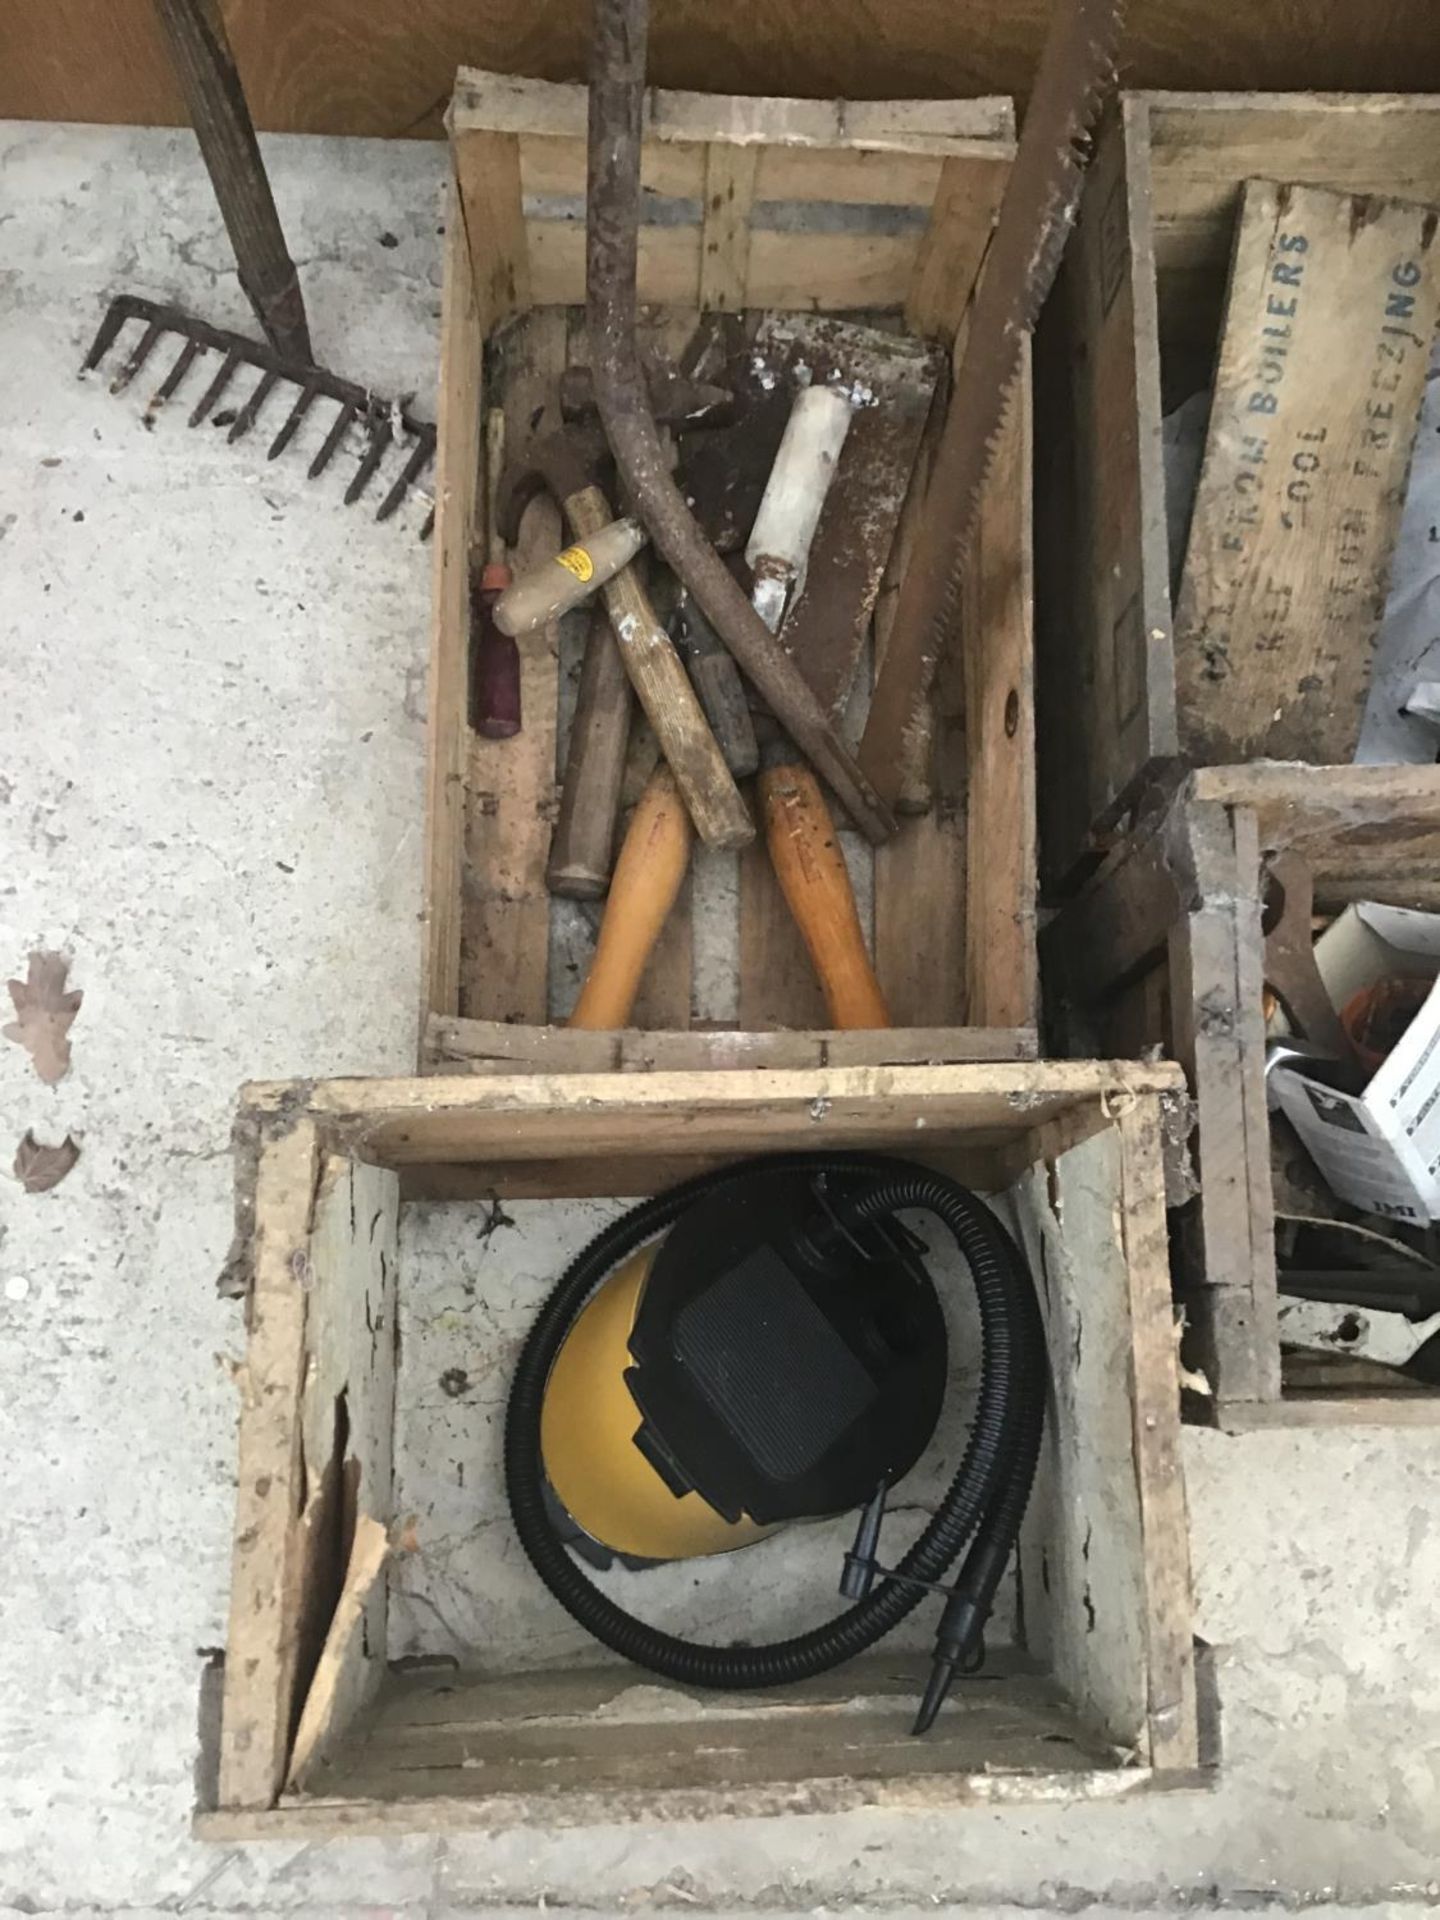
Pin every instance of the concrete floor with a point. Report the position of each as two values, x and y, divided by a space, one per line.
210 758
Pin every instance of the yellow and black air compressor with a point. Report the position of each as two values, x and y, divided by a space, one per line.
759 1347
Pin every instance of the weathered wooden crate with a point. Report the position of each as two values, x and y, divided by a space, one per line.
789 204
1162 949
1100 1700
1131 331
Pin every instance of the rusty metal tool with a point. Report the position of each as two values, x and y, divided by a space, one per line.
568 463
381 421
717 681
582 846
1036 213
800 834
1291 971
617 91
495 708
677 400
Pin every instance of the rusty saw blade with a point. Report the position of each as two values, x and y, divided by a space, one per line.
1036 214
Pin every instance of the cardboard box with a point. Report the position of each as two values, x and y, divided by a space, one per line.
1379 1149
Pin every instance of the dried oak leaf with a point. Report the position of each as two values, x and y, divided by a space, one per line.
38 1168
44 1014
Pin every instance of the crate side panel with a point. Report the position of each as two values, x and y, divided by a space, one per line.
1083 1546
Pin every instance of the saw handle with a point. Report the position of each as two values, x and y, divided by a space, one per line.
810 866
643 888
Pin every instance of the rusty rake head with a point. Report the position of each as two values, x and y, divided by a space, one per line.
380 420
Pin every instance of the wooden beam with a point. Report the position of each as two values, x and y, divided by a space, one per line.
725 226
962 217
487 168
1159 1471
447 734
262 1643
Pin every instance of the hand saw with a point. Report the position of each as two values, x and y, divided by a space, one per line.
1036 214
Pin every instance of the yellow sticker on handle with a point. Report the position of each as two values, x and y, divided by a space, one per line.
577 561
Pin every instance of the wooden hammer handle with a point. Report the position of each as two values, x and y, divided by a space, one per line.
647 878
583 844
815 881
659 678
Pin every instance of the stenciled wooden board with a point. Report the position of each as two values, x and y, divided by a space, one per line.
1329 321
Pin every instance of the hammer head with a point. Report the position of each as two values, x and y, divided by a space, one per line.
563 463
675 400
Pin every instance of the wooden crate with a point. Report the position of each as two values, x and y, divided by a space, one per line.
1099 1703
1162 949
846 207
1131 331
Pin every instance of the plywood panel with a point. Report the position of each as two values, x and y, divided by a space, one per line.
343 66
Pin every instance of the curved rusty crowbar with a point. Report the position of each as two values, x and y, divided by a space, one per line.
617 94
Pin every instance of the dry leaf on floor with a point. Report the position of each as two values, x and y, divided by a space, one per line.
44 1013
38 1168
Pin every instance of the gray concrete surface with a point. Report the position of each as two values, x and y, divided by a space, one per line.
210 753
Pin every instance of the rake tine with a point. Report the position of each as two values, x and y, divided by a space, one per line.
138 358
296 414
116 314
381 434
333 439
177 373
216 387
245 419
409 474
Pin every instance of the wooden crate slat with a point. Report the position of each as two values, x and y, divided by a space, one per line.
265 1591
725 237
511 783
553 166
503 103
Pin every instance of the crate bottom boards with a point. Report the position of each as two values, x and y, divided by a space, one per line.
947 907
585 1746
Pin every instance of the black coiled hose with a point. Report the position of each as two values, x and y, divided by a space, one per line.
986 1499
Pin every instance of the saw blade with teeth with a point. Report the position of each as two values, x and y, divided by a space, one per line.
1077 71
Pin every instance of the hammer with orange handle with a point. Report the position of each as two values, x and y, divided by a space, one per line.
647 879
809 865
